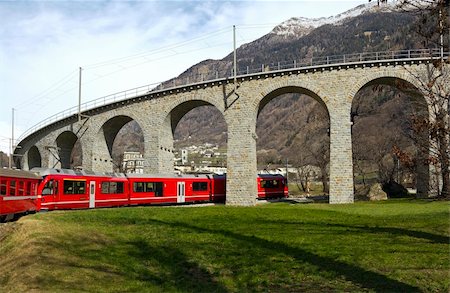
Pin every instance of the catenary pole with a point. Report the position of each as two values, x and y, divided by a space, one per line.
12 140
79 95
10 154
234 58
441 32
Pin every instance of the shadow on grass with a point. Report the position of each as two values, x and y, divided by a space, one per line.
438 239
166 268
435 238
357 275
178 271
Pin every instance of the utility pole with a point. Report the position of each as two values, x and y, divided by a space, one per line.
10 154
234 58
441 32
12 140
79 96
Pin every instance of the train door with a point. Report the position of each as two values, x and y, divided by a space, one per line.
181 192
92 194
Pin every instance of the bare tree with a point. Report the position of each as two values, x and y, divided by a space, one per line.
434 84
319 152
304 177
322 160
433 26
317 155
433 20
118 163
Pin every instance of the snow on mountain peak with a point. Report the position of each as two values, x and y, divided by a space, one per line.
301 26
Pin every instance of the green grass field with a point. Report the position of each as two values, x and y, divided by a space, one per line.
392 246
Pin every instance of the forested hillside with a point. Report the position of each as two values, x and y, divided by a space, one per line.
295 127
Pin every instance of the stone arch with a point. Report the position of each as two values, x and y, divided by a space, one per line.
181 106
111 128
392 78
105 136
409 85
270 93
301 160
173 117
34 158
177 113
65 143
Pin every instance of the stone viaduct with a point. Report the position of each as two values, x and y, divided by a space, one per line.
159 111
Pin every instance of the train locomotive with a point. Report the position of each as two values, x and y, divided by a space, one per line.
23 192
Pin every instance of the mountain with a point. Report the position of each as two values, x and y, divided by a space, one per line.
300 26
295 127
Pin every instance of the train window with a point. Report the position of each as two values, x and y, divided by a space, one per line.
138 186
156 187
50 188
105 187
12 187
143 187
2 187
21 188
149 187
269 183
112 187
29 188
119 187
74 187
200 186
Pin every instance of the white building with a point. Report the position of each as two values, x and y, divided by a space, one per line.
133 162
184 156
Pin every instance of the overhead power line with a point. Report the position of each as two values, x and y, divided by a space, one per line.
59 88
155 51
54 87
123 68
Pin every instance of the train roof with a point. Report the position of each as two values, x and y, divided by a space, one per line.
46 171
70 172
270 175
168 176
53 171
19 173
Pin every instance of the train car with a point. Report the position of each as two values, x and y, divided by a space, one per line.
272 186
165 189
70 189
18 193
218 187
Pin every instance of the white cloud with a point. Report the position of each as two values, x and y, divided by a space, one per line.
43 42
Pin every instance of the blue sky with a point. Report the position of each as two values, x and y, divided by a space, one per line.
43 43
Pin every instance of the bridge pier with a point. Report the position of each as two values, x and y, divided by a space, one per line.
241 156
165 147
97 154
341 156
158 157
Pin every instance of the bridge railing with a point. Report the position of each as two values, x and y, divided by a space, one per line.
342 59
241 71
120 96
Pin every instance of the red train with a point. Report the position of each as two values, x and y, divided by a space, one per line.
18 193
24 192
